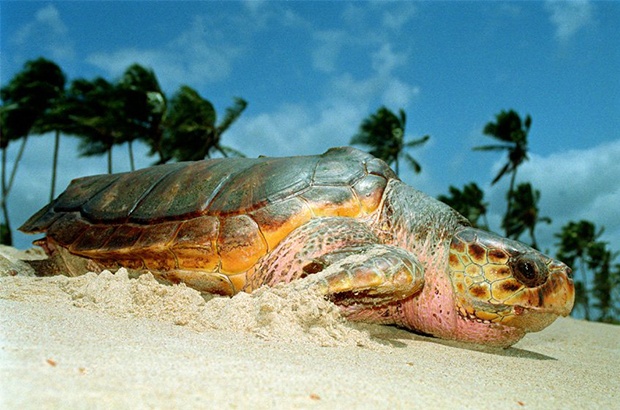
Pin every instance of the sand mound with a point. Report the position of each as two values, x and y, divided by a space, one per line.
279 313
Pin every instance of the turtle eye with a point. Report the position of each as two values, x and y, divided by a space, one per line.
529 272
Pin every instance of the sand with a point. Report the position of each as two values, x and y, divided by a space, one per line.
109 341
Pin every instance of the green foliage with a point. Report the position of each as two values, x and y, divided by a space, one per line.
524 214
598 276
384 133
145 105
96 112
469 202
511 131
192 132
580 246
25 100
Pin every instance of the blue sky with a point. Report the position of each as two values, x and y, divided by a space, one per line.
312 71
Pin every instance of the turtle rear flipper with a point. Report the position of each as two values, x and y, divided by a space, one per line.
370 275
61 262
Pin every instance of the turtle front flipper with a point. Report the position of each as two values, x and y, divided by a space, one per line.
370 275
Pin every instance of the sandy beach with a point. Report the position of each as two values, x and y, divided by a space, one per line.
108 341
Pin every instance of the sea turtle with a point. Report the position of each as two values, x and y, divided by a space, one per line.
383 251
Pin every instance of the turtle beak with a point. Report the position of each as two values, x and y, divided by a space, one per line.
564 296
535 308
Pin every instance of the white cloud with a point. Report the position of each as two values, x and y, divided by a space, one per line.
385 60
346 100
398 17
330 44
296 129
569 17
291 19
578 182
398 94
48 32
117 62
574 185
254 5
193 57
383 88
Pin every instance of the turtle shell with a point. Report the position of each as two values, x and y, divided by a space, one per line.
217 215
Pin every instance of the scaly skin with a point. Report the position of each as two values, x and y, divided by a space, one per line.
478 286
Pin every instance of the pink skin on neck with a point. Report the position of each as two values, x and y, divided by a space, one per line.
433 310
424 226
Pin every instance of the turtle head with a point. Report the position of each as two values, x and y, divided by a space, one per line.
498 280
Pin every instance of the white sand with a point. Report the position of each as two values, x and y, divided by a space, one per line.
108 341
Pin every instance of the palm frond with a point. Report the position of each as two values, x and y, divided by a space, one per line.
506 168
417 168
419 141
232 113
493 148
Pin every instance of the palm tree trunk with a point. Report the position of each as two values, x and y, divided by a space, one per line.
18 158
55 164
533 237
130 148
510 196
3 175
586 290
5 238
109 160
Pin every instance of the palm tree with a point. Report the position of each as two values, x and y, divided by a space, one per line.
95 110
384 132
606 282
576 241
580 246
26 98
191 129
512 132
469 202
13 125
524 213
232 114
5 227
55 120
145 107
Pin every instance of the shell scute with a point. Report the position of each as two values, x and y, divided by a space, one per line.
279 219
345 171
119 199
332 201
195 244
262 183
81 190
159 259
67 228
157 235
183 193
369 191
240 244
375 166
124 237
93 238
